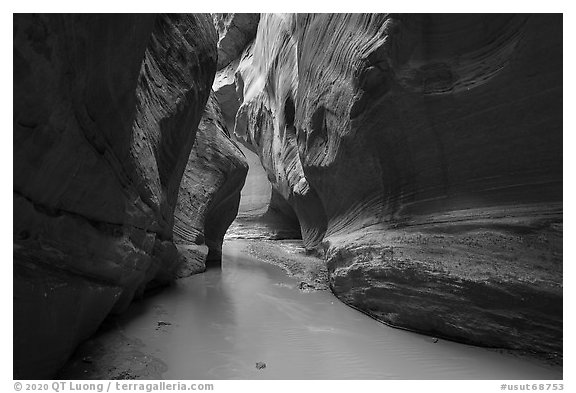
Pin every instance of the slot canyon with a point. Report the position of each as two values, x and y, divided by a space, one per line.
288 196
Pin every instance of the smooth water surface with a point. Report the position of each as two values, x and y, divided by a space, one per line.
224 321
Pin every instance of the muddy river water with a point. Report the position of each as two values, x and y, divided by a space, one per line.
250 321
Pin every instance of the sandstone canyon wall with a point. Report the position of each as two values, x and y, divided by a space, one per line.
106 109
209 193
235 31
423 154
264 212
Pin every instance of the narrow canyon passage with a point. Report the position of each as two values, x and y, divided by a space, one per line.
221 323
264 195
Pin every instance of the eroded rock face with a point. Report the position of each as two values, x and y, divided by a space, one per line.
105 113
235 31
424 154
268 80
209 193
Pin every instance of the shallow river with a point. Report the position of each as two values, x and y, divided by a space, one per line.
221 323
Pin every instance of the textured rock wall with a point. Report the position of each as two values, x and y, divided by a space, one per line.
106 109
424 154
209 192
235 31
263 214
267 78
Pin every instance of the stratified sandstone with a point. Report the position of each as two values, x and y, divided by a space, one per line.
209 192
264 213
105 113
268 80
424 154
235 31
236 34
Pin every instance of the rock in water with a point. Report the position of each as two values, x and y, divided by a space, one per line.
106 109
260 365
424 154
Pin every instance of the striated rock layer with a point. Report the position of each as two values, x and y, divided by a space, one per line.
263 213
424 154
267 78
235 31
106 109
209 193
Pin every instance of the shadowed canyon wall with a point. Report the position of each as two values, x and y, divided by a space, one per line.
264 213
235 31
209 193
423 154
107 162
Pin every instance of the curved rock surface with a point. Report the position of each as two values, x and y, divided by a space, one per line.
106 109
229 92
267 80
209 192
424 154
235 31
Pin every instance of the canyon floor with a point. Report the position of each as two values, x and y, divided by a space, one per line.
228 323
